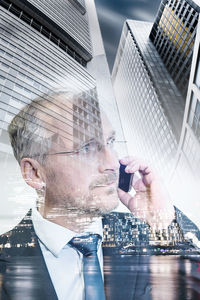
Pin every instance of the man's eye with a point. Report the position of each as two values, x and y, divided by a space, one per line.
88 148
85 148
111 141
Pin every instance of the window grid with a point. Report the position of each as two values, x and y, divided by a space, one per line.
43 30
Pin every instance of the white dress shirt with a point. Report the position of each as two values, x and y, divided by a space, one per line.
64 263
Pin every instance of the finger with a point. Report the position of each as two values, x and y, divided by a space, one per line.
144 167
138 166
139 186
127 159
135 164
124 197
132 167
136 176
130 202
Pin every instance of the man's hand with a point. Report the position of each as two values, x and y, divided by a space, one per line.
151 201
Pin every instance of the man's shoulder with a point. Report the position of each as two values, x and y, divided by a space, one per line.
21 259
187 226
18 240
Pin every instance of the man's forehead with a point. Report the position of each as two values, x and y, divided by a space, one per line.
55 113
106 125
76 121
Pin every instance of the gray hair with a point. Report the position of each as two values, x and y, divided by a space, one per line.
27 131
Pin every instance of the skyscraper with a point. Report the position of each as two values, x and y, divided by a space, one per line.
41 47
189 147
186 177
46 45
173 35
151 73
150 105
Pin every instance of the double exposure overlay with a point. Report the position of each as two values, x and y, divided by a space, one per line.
99 173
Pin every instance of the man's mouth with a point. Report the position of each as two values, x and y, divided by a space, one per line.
105 181
107 184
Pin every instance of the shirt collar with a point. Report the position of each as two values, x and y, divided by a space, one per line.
55 236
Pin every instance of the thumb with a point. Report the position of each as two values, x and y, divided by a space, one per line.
124 197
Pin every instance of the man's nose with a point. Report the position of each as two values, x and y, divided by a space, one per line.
108 160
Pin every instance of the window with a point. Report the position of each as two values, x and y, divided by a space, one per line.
196 120
2 78
26 18
197 73
5 66
15 103
9 55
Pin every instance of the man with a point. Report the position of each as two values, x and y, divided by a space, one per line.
72 165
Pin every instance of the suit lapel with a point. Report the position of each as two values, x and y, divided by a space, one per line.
23 271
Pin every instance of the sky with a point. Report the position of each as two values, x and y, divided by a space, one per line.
113 13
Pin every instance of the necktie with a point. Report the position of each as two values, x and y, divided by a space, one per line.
87 245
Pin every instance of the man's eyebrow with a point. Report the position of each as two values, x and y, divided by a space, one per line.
87 142
90 140
113 133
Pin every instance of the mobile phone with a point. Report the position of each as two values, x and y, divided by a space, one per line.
125 179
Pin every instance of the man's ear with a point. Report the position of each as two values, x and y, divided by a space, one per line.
32 173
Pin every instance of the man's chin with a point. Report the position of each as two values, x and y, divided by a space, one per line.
109 209
109 203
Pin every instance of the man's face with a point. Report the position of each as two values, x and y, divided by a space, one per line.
85 182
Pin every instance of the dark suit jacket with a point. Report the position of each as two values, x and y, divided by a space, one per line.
24 275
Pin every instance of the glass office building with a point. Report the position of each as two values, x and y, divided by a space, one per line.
150 105
190 142
34 60
186 176
40 52
173 34
47 45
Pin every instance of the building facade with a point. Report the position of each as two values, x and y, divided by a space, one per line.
173 34
47 46
189 147
150 105
186 174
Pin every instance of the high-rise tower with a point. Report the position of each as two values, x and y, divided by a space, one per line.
173 35
46 45
189 147
186 176
150 105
